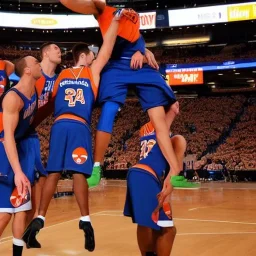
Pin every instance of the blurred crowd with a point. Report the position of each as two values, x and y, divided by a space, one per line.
220 131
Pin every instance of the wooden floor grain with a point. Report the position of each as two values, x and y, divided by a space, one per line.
217 220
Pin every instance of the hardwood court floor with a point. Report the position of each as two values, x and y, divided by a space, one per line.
217 220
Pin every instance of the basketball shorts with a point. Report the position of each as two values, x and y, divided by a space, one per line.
70 147
150 86
141 199
30 146
7 184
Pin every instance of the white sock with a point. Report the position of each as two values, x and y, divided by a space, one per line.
96 164
18 242
85 218
41 217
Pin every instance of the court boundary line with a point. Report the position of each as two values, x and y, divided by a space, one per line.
108 213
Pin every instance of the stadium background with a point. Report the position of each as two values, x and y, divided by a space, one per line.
208 57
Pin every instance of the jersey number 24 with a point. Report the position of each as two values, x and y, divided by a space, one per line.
74 96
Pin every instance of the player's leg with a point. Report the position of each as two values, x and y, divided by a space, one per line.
157 116
82 195
4 220
38 187
164 241
141 201
112 95
18 228
37 223
54 167
78 158
6 188
102 140
146 240
179 145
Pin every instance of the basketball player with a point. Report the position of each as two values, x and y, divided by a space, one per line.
6 69
144 195
51 57
18 109
70 143
154 94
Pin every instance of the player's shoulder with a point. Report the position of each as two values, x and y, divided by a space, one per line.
12 100
147 129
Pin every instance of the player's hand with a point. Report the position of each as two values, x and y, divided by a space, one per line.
119 13
137 60
22 183
150 57
166 192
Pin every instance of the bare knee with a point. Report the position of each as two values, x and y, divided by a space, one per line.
4 220
171 232
179 143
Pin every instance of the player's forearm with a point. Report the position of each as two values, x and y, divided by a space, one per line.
12 154
110 39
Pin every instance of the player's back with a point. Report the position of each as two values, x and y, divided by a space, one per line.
76 93
151 154
3 76
26 114
129 39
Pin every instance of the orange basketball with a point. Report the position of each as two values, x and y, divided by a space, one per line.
85 6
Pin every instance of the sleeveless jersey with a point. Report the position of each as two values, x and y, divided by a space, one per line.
129 39
26 115
75 93
44 87
3 76
151 154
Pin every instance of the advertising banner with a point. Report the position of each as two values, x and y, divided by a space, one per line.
185 76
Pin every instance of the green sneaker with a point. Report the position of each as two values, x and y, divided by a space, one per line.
94 180
179 182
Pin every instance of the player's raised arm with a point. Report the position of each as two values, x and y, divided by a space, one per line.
12 104
107 47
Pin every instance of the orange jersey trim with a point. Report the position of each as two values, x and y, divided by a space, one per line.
129 24
2 65
146 168
40 83
147 129
72 117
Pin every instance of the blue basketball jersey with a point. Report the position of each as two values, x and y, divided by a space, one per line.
75 93
26 115
151 154
125 49
44 86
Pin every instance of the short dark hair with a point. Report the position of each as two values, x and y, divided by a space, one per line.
78 49
44 46
20 65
